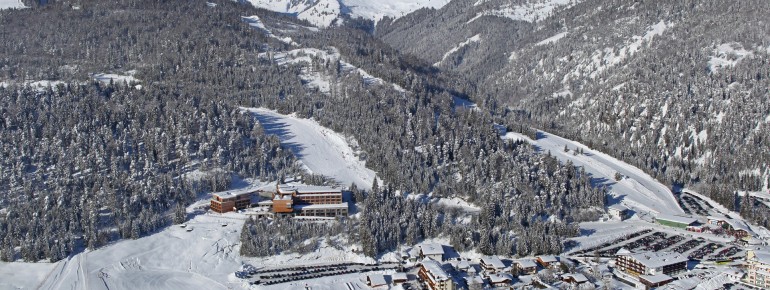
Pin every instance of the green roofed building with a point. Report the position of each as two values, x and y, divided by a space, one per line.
675 221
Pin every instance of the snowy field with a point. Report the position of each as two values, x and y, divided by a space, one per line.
637 190
8 4
320 149
173 258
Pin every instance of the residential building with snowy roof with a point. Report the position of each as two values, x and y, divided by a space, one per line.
650 263
233 200
758 269
434 275
491 264
524 267
433 251
309 201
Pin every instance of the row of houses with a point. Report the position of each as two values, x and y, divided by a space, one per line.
735 228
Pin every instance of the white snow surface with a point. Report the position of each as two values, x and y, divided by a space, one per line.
727 55
20 275
476 38
116 78
552 39
320 149
8 4
323 13
170 259
530 12
257 23
637 190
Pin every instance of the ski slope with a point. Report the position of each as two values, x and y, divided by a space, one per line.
320 149
637 190
173 258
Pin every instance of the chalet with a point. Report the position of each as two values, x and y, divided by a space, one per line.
524 267
736 228
574 279
399 278
433 251
650 263
376 280
463 266
434 275
491 264
231 200
548 262
655 281
618 212
500 280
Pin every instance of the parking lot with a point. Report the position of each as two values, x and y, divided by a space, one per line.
693 205
298 273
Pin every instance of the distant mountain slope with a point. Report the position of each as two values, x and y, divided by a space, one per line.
677 88
323 13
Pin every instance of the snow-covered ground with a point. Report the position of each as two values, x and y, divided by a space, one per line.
553 39
257 23
476 38
8 4
116 78
637 190
320 149
23 275
173 258
727 55
323 13
530 12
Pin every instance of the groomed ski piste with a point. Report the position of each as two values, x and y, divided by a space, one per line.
636 190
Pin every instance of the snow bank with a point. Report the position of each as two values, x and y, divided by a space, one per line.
320 149
727 55
8 4
19 275
552 39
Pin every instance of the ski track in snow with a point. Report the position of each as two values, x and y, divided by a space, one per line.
636 190
320 149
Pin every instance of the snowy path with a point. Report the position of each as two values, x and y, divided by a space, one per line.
320 149
637 190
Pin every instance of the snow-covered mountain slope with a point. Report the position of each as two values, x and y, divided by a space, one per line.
636 189
8 4
323 13
320 149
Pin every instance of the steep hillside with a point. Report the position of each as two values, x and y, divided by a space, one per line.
676 88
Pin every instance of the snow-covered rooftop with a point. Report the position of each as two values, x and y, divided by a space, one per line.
432 249
548 259
579 278
493 261
377 280
236 192
658 278
526 263
399 277
343 205
623 252
762 257
307 189
500 278
676 218
463 265
658 259
437 273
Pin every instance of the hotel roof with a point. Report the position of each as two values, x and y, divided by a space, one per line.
658 259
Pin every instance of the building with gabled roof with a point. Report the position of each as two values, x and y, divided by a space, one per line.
376 280
433 251
548 262
491 264
434 275
524 267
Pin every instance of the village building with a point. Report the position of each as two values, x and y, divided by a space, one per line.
574 279
524 267
549 262
399 278
434 275
758 269
500 280
617 212
655 281
675 221
433 251
231 200
736 228
376 280
491 264
312 201
650 263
